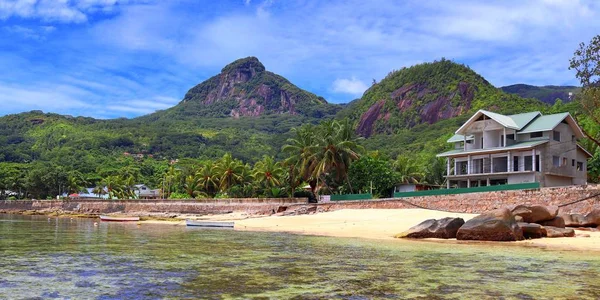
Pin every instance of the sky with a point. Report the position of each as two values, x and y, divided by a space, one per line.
126 58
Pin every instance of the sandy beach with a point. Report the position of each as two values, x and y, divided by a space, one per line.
385 223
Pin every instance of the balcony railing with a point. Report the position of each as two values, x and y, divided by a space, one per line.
566 170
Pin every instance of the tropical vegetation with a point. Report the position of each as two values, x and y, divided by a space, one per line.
197 150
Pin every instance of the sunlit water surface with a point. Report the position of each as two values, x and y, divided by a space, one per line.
42 258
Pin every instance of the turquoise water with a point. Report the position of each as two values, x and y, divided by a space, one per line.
44 258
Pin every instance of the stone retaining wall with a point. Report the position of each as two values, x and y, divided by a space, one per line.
480 202
202 207
466 203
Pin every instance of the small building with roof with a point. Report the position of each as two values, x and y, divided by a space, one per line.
493 149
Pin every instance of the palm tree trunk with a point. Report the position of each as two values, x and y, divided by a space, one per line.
349 185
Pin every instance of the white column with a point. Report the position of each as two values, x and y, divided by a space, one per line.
491 163
469 164
508 162
465 142
541 164
468 183
448 166
504 129
488 181
533 162
455 167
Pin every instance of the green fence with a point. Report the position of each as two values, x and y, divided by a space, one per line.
491 188
351 197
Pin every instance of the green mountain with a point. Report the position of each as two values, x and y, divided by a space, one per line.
547 94
413 111
249 112
245 110
245 89
428 93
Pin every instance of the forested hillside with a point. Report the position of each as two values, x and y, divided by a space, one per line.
248 112
416 109
547 94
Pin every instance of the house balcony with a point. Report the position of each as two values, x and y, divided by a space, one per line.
487 174
565 171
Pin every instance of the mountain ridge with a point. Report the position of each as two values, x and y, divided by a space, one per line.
244 88
426 94
547 93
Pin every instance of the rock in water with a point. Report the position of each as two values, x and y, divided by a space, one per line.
574 220
495 225
556 222
532 230
445 228
554 232
535 213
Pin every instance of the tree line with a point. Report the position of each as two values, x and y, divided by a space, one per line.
326 158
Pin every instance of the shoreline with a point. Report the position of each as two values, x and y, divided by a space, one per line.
372 224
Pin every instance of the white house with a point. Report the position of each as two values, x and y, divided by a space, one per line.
491 149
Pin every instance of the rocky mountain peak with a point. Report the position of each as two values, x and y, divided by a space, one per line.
244 88
243 69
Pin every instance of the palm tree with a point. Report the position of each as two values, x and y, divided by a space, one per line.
113 185
300 158
292 177
229 170
327 149
75 182
168 181
434 171
407 170
336 149
128 189
192 186
99 190
267 172
208 179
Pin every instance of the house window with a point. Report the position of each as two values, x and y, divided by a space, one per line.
516 164
556 161
564 161
579 166
510 137
556 135
536 135
501 140
572 162
528 163
537 163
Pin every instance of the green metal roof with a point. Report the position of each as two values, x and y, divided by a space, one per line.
502 119
523 119
517 146
544 123
459 138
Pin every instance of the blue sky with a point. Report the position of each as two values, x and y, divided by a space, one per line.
112 58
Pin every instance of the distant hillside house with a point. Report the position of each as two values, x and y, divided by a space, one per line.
144 192
492 149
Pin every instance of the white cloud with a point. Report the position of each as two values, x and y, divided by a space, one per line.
142 106
35 32
140 49
64 11
351 86
18 98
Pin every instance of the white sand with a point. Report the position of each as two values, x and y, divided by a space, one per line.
385 223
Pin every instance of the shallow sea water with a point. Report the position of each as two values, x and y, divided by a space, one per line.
60 258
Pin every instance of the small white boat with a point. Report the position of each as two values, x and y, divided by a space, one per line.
119 219
209 224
